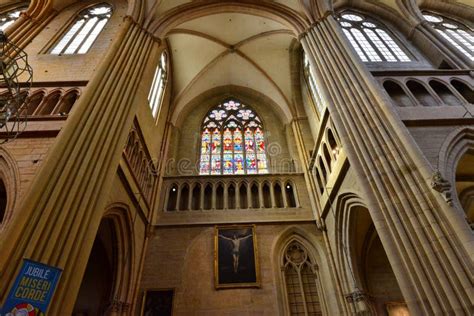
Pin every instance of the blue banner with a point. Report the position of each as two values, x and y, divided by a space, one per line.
32 291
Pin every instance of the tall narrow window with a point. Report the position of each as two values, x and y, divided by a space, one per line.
300 281
313 88
7 18
158 86
232 141
82 34
370 40
457 34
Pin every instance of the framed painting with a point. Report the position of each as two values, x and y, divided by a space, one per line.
235 257
157 302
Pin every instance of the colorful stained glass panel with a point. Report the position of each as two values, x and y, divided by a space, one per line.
227 141
249 141
216 142
205 142
204 165
239 164
251 164
238 141
262 163
228 164
259 139
216 164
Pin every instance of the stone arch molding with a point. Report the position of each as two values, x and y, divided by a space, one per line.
456 144
214 96
345 203
10 175
317 256
124 279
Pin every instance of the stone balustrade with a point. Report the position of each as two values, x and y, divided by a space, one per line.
51 99
233 192
428 88
139 161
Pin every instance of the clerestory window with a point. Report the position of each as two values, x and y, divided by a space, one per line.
232 141
457 34
82 34
371 41
155 96
313 88
7 18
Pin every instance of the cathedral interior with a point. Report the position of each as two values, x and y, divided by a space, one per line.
252 157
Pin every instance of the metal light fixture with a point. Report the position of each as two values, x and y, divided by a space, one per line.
15 82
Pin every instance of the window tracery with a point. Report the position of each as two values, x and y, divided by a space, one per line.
157 89
457 34
370 40
7 18
82 34
232 141
300 280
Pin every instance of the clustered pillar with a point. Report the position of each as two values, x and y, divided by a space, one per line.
428 251
61 213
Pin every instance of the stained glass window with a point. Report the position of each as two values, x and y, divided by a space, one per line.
232 141
370 41
457 34
87 26
7 18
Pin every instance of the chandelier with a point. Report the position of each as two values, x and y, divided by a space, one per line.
15 81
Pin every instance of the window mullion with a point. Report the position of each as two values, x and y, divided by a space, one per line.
460 39
466 35
454 43
373 44
84 40
356 45
222 150
300 279
73 35
387 46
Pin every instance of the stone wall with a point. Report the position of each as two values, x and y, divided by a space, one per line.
182 258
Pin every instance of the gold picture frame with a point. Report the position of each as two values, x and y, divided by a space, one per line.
236 257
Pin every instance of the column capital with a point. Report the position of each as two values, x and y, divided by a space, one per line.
153 36
315 23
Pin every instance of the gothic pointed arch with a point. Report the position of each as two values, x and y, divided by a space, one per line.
110 272
362 260
454 165
232 140
9 186
302 278
372 40
83 32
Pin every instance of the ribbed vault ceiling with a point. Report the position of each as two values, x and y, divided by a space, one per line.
231 49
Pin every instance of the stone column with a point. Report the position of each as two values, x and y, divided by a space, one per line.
60 215
427 248
30 23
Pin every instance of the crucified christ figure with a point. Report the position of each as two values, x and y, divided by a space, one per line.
235 248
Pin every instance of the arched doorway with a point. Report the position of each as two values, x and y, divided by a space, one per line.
465 184
96 291
373 275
